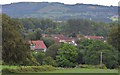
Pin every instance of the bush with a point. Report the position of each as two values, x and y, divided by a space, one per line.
50 61
48 68
91 66
6 70
39 56
28 69
103 67
52 50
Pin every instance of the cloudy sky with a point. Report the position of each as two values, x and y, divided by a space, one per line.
100 2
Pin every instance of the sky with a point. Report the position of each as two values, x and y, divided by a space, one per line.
99 2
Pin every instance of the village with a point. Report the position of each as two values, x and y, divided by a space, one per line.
39 45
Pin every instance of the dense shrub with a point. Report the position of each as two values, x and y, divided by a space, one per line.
50 61
6 70
91 66
28 69
52 50
39 56
104 67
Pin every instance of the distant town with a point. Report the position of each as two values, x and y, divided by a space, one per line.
60 38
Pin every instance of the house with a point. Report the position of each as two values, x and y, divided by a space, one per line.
62 39
38 45
95 37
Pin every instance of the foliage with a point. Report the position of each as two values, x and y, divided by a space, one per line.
28 23
79 59
91 66
103 66
15 51
48 41
52 50
109 54
86 27
50 61
67 55
66 70
31 36
38 34
113 37
30 61
83 45
34 34
39 56
28 69
91 49
70 27
33 23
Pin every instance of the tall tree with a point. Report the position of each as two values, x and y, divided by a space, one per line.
15 50
93 53
114 38
67 55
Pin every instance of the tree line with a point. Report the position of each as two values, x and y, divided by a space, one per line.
77 26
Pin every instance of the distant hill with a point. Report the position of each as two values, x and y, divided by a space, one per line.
60 11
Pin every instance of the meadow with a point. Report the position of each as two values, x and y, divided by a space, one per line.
65 70
83 70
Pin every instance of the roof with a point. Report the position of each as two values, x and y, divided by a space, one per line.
67 39
95 37
39 44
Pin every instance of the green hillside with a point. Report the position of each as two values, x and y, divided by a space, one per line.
60 11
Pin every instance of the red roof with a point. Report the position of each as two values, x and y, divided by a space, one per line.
62 37
38 44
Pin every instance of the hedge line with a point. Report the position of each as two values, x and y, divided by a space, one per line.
29 69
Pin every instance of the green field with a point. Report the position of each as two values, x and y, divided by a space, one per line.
71 70
10 67
82 70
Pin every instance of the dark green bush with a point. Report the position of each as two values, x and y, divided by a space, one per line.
103 66
91 66
6 70
39 56
50 61
28 69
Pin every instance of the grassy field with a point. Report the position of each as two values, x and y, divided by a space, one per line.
83 70
10 67
71 70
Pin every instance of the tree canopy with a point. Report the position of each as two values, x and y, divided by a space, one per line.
93 53
67 55
52 50
70 27
114 38
15 51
